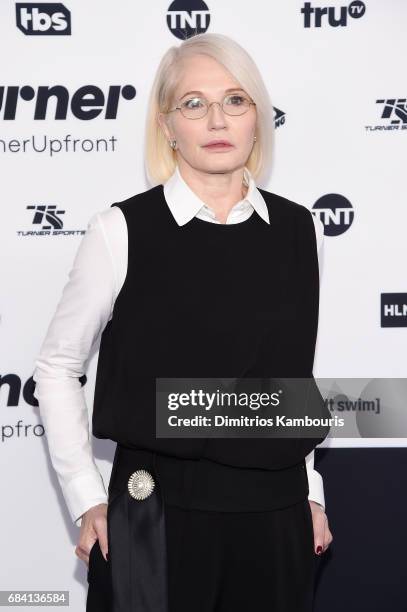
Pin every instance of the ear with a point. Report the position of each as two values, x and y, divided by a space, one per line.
162 120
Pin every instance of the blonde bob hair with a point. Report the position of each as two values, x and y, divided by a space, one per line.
160 158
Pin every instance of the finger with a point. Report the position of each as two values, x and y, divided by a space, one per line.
319 529
329 538
82 555
326 536
102 537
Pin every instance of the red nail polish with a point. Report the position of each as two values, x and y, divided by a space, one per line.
319 549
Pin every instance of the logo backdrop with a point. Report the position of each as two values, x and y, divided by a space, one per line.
75 79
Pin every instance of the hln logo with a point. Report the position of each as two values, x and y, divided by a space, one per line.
335 212
188 18
48 19
393 310
316 16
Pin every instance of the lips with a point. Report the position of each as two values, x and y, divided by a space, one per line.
218 144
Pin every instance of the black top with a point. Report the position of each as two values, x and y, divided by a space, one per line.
208 300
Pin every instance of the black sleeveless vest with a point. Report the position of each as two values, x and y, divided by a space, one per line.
208 300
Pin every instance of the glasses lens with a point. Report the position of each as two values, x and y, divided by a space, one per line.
194 108
236 104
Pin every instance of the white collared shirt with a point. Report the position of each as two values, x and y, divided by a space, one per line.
185 204
83 311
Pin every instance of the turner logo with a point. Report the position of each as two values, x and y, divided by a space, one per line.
318 16
188 18
86 103
393 309
48 19
335 212
12 384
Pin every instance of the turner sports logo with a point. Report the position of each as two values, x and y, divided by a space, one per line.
335 212
186 18
393 115
316 17
393 309
47 220
47 19
86 103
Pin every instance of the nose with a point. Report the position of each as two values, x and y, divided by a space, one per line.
216 116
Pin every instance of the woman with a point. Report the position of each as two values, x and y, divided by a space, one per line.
203 275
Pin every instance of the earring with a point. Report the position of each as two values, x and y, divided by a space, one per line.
173 144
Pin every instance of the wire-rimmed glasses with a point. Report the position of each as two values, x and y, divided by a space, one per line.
196 107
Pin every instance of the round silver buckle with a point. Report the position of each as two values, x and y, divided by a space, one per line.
141 484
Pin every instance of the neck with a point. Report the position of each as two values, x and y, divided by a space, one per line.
219 191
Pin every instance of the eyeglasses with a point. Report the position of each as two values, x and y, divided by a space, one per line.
197 107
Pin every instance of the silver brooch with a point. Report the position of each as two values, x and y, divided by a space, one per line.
141 484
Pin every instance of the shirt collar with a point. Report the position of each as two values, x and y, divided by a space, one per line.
184 204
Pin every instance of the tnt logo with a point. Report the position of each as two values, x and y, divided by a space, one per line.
186 19
46 216
314 17
335 212
48 19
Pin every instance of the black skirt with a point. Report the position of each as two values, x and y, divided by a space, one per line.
179 549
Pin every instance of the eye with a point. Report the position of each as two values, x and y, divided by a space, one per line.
193 103
235 100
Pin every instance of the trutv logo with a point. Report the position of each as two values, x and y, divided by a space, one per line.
48 19
316 17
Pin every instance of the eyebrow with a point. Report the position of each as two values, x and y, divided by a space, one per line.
200 92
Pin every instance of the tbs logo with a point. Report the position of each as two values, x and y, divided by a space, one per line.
48 19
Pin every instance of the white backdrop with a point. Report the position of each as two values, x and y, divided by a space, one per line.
340 98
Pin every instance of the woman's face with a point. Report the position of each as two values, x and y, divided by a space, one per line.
204 74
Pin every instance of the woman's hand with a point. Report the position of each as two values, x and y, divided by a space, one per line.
322 535
93 527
